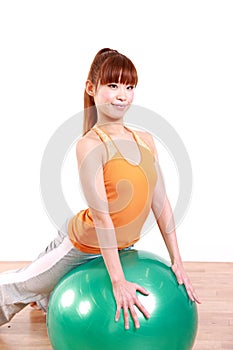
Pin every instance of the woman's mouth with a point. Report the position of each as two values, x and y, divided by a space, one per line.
120 106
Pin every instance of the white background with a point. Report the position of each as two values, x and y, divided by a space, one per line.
183 54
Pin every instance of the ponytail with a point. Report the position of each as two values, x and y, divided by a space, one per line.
90 113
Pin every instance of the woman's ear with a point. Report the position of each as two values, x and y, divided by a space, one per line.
90 88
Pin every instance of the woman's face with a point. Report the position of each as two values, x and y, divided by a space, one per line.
113 100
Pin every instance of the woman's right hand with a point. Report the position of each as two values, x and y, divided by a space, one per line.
126 299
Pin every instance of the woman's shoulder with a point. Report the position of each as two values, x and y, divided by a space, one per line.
87 143
89 140
148 139
145 135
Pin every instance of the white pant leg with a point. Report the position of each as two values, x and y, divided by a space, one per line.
36 281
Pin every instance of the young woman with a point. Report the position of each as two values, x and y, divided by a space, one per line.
120 177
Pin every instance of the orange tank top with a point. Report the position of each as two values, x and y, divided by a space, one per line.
129 189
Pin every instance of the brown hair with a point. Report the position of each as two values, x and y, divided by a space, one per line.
108 66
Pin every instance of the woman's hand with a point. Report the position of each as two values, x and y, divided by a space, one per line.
126 298
182 278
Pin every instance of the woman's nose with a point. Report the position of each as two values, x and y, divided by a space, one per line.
121 94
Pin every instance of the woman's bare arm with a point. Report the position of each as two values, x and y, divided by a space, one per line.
91 157
164 216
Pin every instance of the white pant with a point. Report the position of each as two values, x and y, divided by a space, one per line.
35 282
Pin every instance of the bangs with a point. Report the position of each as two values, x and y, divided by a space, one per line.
118 69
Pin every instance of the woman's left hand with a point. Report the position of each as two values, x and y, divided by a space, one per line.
182 278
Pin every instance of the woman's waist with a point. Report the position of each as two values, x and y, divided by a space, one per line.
81 229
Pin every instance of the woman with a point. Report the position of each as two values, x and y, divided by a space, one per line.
120 177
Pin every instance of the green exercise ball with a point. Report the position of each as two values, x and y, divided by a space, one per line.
81 313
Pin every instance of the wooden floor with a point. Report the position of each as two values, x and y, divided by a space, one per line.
212 281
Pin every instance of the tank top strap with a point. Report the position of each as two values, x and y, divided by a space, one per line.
111 148
139 140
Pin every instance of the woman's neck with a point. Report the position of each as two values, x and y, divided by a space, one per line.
113 128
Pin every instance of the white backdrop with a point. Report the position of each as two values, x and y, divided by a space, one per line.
183 53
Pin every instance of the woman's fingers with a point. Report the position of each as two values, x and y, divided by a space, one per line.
126 311
134 317
125 293
118 313
141 307
191 293
126 317
141 289
130 311
197 299
182 278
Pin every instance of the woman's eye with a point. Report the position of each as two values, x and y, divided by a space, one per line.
113 86
130 87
